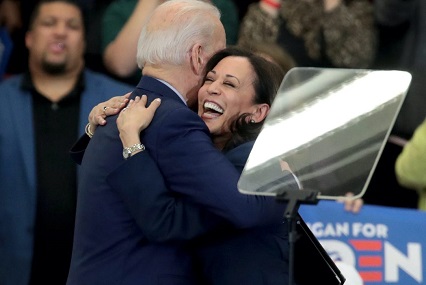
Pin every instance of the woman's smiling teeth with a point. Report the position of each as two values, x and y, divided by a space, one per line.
210 106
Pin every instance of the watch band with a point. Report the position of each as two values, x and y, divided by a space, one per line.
128 151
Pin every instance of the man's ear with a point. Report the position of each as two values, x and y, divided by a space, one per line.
261 111
196 59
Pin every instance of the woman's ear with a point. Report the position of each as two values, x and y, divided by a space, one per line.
196 57
262 110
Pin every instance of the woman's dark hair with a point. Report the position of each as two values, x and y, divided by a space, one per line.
268 79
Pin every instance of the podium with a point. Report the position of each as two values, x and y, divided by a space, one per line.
322 139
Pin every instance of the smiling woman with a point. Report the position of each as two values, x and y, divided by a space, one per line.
237 93
226 94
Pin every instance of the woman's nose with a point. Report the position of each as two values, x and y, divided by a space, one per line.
214 89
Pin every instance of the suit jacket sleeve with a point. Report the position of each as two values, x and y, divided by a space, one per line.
161 214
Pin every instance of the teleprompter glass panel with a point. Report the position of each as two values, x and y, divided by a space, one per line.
326 131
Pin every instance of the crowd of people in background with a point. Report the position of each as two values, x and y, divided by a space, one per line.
45 95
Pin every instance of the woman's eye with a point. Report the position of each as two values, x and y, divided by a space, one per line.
229 84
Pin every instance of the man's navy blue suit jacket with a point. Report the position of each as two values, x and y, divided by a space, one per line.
109 245
223 256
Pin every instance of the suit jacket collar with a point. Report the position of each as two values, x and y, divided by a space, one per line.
153 85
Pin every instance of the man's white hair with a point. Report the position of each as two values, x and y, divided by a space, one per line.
168 38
